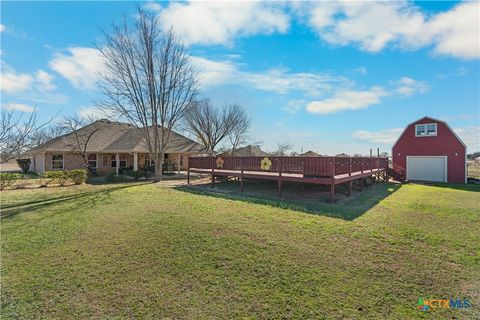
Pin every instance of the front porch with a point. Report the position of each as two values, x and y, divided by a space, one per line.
106 163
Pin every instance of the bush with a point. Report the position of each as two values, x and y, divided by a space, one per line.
59 177
24 164
136 174
77 176
112 177
7 179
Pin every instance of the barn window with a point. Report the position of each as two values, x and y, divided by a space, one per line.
428 129
432 129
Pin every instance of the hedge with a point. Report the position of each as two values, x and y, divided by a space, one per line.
59 177
8 178
77 176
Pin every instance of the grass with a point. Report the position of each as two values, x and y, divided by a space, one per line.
146 251
473 171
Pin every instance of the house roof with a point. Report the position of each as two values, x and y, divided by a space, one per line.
109 136
434 120
250 151
309 153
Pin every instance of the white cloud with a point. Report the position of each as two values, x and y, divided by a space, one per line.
44 81
312 85
388 136
470 136
457 32
408 86
376 25
294 106
95 113
219 22
361 70
347 100
2 27
80 66
360 99
278 80
13 81
18 107
152 6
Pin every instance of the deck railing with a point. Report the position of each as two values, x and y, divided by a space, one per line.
306 166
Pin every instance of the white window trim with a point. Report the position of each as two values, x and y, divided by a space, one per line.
425 126
63 161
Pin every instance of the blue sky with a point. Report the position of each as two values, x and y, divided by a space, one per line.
327 76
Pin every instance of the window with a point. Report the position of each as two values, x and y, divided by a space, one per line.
424 130
181 160
148 161
432 129
57 161
123 160
92 160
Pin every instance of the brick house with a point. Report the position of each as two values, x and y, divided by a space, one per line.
109 146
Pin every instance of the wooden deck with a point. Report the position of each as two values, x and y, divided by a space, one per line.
317 170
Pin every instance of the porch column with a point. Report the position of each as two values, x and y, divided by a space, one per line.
135 161
179 163
117 163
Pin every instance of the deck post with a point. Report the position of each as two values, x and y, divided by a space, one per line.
361 164
213 175
280 177
332 183
241 173
350 175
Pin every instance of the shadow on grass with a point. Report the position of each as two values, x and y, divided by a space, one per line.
307 199
79 199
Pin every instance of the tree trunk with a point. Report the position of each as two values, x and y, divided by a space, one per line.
159 166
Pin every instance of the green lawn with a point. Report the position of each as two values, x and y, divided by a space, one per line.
145 251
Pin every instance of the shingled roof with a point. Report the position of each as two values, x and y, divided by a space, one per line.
250 151
309 153
110 136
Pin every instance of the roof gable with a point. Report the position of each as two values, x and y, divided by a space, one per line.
428 119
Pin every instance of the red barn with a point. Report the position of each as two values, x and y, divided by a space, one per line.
429 150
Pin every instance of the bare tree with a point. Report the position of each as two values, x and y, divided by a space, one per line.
239 135
79 134
16 133
210 125
149 80
282 149
47 133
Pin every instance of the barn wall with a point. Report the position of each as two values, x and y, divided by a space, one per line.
444 144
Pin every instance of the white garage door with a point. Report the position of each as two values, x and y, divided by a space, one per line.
427 168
